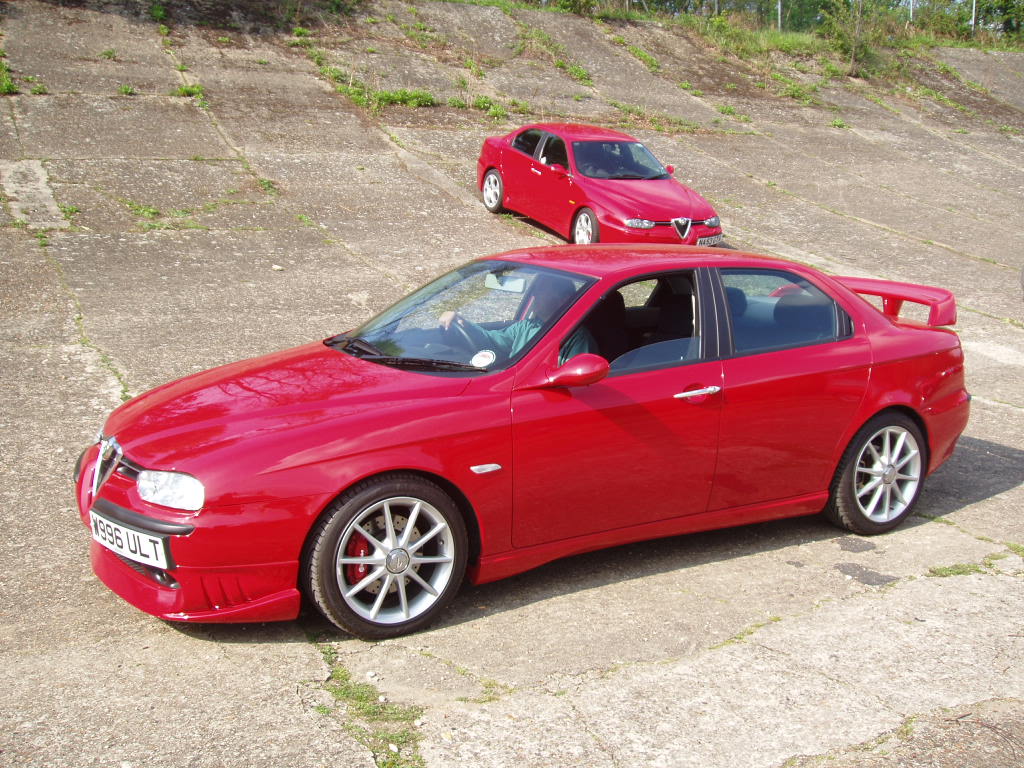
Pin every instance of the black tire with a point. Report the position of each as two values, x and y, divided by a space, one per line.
403 605
875 487
493 191
594 228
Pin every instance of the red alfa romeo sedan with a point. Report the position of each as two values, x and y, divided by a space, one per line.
522 408
591 185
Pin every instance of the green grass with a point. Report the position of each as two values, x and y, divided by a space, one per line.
959 569
639 53
144 211
109 54
189 90
127 90
157 12
537 42
750 44
575 71
839 123
636 115
7 85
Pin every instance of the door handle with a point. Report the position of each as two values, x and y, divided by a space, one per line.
535 171
698 392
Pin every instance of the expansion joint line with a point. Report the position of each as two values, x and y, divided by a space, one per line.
224 137
83 337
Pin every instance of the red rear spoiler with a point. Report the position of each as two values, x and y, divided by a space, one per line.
940 302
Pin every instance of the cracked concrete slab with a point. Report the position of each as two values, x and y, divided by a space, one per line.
29 195
286 214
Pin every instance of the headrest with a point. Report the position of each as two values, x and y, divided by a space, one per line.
803 310
737 301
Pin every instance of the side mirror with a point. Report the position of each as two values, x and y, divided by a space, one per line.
559 170
581 371
670 169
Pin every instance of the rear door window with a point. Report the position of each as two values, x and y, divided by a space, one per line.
775 309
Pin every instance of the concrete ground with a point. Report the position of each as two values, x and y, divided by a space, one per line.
147 236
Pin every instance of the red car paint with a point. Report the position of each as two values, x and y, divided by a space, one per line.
554 196
275 439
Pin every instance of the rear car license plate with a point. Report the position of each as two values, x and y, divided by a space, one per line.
128 542
713 240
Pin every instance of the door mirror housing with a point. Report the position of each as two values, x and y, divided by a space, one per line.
581 371
559 170
670 169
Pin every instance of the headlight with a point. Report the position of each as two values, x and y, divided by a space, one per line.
171 489
714 221
639 223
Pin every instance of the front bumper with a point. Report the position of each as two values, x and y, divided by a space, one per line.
614 231
236 563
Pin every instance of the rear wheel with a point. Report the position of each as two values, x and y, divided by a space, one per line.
585 228
386 557
494 191
880 476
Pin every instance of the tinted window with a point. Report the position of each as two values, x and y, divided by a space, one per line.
527 141
616 160
773 309
554 152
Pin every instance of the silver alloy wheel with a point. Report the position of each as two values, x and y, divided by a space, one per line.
394 560
492 191
887 474
583 232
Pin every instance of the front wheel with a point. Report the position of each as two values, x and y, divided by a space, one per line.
880 476
386 557
585 228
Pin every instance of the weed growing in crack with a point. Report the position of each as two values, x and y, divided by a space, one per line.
388 730
958 569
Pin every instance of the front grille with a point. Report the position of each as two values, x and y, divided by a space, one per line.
682 225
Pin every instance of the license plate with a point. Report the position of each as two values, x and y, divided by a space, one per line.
713 240
136 545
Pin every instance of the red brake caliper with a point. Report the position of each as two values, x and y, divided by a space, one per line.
358 546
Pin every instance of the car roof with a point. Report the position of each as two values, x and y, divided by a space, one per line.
627 260
579 132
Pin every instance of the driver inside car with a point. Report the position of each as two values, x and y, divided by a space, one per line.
550 296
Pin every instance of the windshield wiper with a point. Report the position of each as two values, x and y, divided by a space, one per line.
423 364
356 343
628 176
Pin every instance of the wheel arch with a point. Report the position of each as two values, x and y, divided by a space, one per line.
455 493
910 413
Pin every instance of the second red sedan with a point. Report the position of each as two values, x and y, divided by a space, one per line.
592 185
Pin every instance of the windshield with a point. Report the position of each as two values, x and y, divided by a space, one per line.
617 160
481 317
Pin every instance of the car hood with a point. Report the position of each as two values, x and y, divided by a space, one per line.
655 199
181 424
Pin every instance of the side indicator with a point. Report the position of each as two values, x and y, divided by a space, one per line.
483 469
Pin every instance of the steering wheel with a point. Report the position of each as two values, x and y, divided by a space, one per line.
460 334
